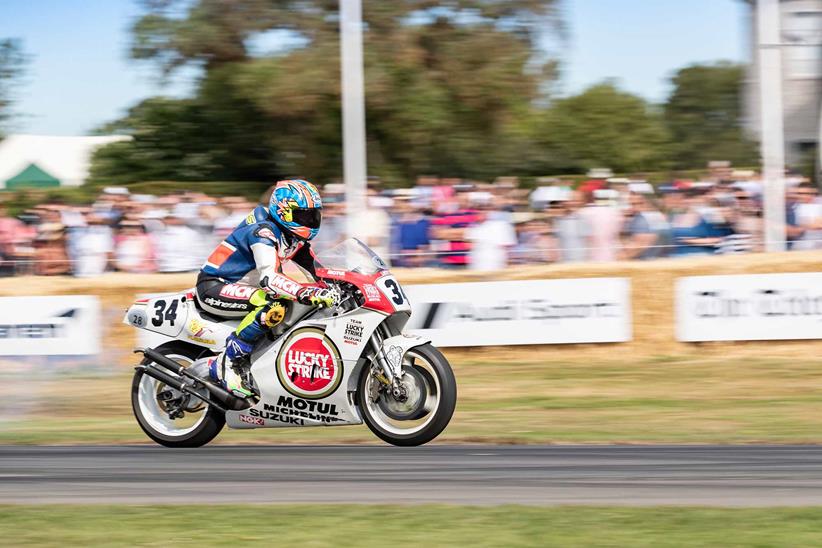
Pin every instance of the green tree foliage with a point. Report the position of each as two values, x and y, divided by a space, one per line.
603 126
704 115
450 89
456 88
12 61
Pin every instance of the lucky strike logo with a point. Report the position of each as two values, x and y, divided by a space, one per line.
309 365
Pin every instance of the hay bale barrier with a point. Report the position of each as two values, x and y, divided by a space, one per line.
652 288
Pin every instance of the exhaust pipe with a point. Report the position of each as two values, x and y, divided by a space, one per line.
177 384
227 399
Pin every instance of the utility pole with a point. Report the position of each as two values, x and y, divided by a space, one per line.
353 110
773 134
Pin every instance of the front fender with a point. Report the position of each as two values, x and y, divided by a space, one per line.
396 347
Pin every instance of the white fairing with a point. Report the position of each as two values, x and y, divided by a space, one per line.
175 315
339 341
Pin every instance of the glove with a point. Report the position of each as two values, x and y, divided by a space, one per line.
318 296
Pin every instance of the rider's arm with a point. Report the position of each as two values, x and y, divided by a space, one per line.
281 286
305 259
271 279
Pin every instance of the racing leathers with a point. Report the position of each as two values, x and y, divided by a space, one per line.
243 278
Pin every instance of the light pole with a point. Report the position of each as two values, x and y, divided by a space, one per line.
353 110
772 134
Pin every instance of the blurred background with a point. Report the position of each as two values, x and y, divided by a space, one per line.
135 134
517 139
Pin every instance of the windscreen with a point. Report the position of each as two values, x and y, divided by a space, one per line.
351 255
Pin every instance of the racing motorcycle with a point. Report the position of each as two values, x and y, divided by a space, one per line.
350 364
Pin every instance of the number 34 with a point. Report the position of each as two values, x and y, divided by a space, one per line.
161 313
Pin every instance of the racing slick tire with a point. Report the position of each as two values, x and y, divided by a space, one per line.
149 411
434 372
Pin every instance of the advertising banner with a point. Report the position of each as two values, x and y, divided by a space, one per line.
588 310
66 325
752 307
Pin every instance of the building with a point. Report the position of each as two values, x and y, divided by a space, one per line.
801 46
48 161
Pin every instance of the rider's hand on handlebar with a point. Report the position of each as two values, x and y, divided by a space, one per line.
318 296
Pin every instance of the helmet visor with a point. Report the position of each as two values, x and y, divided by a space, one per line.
308 217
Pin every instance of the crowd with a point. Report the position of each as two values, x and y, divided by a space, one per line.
443 223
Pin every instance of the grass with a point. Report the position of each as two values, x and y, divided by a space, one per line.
687 400
338 525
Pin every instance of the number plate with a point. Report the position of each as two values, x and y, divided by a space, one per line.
392 289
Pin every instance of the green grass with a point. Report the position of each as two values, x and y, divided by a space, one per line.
689 400
316 526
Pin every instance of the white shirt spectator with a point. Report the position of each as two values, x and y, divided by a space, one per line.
179 249
92 247
806 214
490 242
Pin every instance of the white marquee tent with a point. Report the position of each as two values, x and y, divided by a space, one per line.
65 158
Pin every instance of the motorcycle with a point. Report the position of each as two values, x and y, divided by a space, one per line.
350 364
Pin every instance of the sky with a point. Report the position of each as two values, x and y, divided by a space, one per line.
80 77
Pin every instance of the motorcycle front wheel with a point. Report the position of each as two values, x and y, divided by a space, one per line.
150 401
427 405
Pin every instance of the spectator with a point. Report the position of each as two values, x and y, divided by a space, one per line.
690 231
374 225
412 228
50 254
605 221
134 251
645 230
573 232
12 238
537 243
93 246
178 247
808 218
449 231
492 238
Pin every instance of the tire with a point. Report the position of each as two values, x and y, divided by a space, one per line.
431 428
203 431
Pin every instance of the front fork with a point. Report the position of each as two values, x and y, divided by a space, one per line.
388 374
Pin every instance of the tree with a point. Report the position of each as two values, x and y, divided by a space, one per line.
704 116
602 127
12 61
450 87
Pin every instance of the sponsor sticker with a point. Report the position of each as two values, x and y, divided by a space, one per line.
265 232
238 291
252 420
284 284
198 332
339 273
353 332
372 293
309 364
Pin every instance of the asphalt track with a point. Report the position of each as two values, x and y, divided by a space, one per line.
540 475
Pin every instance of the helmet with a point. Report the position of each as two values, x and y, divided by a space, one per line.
297 207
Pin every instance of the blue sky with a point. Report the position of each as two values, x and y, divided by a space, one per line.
80 76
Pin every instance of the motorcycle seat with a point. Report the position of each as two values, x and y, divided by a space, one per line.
209 316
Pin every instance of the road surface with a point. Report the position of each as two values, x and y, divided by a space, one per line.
537 475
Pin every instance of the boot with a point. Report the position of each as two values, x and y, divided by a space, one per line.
223 369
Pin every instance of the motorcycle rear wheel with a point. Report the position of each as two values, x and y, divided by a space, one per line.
149 410
431 385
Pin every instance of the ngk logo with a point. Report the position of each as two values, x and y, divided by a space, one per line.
309 365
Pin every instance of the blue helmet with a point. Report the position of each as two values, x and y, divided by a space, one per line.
297 207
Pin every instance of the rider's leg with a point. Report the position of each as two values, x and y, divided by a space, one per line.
241 343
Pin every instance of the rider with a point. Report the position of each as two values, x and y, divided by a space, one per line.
243 276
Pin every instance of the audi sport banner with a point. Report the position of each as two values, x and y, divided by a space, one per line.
754 307
590 310
54 325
